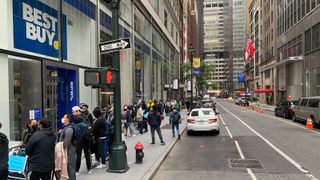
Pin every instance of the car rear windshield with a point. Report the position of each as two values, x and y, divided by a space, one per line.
206 112
195 113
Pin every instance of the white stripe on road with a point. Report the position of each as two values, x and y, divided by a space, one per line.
226 126
239 150
251 174
242 157
293 162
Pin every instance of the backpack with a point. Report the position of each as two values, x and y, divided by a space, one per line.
176 118
80 130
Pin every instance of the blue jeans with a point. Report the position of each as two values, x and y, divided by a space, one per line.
175 125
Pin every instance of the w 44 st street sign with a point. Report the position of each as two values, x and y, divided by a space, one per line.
115 45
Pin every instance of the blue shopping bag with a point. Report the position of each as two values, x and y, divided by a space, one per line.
17 163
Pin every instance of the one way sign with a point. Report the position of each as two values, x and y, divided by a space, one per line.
115 45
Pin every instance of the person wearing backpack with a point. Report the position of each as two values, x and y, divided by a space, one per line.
154 120
99 132
175 119
83 139
68 139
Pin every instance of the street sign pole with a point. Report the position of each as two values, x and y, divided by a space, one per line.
118 158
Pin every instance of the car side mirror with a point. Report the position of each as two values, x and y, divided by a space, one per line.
217 113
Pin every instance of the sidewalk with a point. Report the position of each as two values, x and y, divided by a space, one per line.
153 155
263 106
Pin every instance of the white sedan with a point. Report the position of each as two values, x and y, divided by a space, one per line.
203 119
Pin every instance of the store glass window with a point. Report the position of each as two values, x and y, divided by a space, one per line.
316 36
25 96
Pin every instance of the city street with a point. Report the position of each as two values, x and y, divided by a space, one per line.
280 148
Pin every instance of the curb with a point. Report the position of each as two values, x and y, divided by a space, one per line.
156 165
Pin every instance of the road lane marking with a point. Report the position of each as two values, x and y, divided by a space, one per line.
242 157
251 174
226 126
239 150
293 162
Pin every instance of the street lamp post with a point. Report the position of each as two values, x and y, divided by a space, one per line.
118 158
191 62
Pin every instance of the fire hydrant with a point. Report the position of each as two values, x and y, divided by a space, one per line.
139 152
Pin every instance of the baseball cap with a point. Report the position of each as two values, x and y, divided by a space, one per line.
76 108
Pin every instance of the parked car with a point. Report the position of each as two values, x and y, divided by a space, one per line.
242 101
285 109
203 119
307 107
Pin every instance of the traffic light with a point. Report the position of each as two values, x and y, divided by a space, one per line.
108 77
92 77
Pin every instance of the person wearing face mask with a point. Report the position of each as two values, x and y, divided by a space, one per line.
31 128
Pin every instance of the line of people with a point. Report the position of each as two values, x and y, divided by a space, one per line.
61 152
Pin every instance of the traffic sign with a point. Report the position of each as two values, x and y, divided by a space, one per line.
115 45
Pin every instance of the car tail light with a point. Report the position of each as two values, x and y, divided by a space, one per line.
190 120
290 109
213 120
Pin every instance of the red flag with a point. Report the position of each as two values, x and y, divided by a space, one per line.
250 49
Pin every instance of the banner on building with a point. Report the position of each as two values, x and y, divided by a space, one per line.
175 84
35 28
196 67
241 77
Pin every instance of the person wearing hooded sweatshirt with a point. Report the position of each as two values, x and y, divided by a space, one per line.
3 156
40 150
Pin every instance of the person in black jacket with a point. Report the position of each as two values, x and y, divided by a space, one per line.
40 150
154 120
99 132
3 156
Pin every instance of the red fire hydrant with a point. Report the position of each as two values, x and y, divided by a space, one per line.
139 152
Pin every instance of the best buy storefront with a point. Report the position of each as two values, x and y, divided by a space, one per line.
38 81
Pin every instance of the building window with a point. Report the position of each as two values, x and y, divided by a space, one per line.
267 74
316 36
172 29
307 41
165 19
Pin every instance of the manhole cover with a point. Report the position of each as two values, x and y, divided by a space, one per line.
245 163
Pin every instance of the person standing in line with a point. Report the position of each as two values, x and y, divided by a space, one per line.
99 132
31 127
130 121
175 119
40 150
67 137
154 120
145 116
84 143
4 143
139 118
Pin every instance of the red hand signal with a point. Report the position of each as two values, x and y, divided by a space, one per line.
109 77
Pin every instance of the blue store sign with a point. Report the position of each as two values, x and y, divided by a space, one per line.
36 28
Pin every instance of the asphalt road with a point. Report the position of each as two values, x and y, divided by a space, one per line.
261 146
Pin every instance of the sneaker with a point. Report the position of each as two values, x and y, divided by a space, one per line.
77 173
163 143
101 166
107 158
134 135
89 172
152 143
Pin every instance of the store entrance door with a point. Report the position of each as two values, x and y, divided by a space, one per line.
60 94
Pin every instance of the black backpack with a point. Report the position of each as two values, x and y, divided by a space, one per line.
176 118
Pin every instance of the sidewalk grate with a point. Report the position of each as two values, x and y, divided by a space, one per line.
245 163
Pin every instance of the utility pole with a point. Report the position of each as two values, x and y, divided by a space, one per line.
118 158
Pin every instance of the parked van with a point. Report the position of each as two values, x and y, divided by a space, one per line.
307 107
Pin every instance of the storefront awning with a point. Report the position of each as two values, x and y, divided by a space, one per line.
263 91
